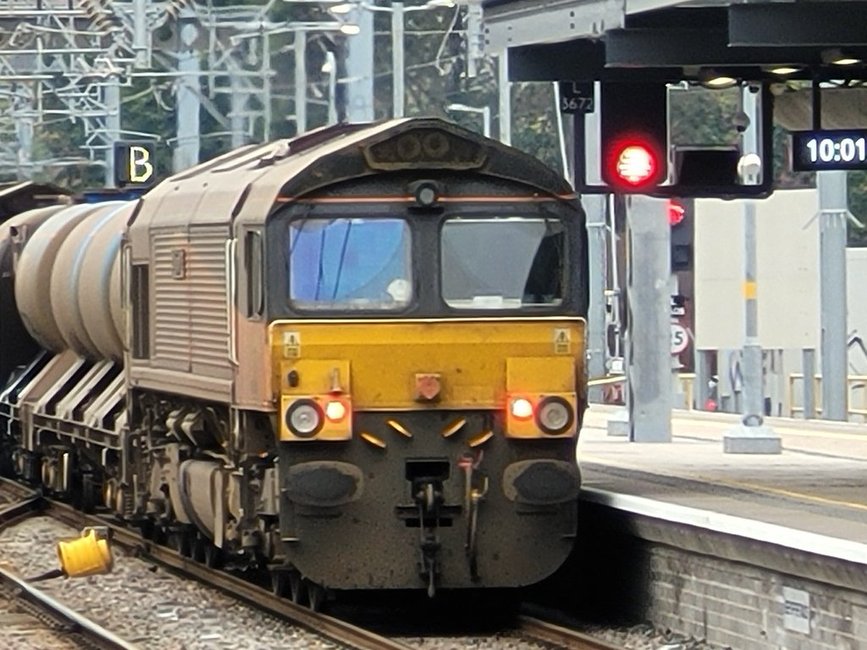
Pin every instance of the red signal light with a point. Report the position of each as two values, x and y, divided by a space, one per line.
633 163
676 213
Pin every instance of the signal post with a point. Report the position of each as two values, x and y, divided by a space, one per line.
632 156
648 354
752 436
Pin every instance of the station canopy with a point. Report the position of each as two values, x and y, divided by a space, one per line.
785 45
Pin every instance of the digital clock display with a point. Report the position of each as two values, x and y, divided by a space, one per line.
829 150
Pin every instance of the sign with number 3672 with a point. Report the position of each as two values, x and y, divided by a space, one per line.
576 96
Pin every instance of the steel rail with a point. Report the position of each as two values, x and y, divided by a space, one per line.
327 626
561 636
27 501
75 623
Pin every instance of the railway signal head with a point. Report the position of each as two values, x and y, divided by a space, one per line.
635 164
676 213
634 136
681 221
636 156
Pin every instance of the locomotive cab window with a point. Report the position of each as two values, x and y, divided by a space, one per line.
502 263
350 264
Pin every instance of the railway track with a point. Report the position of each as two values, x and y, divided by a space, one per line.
329 627
17 501
559 636
335 629
26 612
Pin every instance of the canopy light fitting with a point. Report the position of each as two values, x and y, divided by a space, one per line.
784 70
716 80
836 56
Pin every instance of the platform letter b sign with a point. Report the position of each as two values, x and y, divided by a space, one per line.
140 167
134 163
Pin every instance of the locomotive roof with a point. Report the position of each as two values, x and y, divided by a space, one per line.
244 185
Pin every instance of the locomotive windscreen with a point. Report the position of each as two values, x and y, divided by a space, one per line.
350 264
502 263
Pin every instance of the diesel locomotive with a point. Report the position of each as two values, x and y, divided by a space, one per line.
354 359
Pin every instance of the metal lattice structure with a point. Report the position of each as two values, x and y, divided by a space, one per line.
74 60
65 59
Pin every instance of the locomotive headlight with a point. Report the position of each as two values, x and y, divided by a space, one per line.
426 193
554 415
522 408
335 411
304 418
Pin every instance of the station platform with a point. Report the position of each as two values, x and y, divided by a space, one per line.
811 497
745 551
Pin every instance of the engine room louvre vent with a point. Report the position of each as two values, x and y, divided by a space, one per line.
190 321
206 270
171 308
140 299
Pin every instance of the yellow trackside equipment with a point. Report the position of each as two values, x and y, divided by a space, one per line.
88 555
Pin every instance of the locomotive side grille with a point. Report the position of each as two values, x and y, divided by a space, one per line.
207 286
171 302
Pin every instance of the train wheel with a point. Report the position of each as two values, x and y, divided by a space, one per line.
7 461
212 556
180 540
315 596
160 534
188 544
200 543
46 474
279 583
88 493
20 460
153 532
109 489
32 467
173 540
297 587
146 529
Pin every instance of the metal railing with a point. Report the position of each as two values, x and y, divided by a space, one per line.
612 388
856 395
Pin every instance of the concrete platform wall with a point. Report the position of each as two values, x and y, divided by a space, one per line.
735 593
735 605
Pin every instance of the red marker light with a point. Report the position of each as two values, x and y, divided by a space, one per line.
635 164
